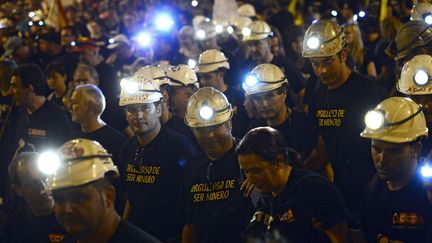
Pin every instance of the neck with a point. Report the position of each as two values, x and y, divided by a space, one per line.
92 124
105 231
345 73
145 139
36 102
222 87
400 183
282 183
228 147
60 92
279 118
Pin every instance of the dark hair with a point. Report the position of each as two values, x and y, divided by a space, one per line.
32 74
267 143
20 159
55 67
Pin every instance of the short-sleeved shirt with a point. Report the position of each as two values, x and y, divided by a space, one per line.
46 128
125 232
306 196
152 176
396 216
23 227
178 124
214 204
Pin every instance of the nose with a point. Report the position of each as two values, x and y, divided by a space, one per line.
321 70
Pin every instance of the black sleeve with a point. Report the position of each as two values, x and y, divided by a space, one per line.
320 200
295 78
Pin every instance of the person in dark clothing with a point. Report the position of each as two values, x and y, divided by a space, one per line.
215 209
396 144
84 198
153 161
36 221
293 200
58 81
43 124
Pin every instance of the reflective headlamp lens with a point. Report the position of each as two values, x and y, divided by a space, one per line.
374 120
30 23
48 162
313 43
206 112
144 39
361 14
426 171
230 29
111 40
421 77
200 34
164 22
219 28
131 87
40 23
428 19
246 31
191 63
251 80
334 13
31 14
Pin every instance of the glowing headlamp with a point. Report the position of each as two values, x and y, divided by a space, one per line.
313 42
200 34
334 13
230 29
131 87
164 22
361 14
144 39
48 162
194 3
111 41
30 23
32 14
251 80
219 28
246 31
375 119
355 18
426 170
40 23
421 77
73 43
206 112
192 63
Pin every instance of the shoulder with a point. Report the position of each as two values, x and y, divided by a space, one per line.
127 232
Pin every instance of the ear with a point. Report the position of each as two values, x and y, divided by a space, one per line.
109 196
344 55
280 161
159 109
416 149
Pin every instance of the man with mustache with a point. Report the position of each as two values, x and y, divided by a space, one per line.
153 159
36 222
215 208
84 196
396 207
267 86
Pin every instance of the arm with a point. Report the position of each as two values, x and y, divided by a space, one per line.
338 233
318 158
189 234
371 70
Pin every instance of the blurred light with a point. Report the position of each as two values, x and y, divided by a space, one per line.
334 13
131 87
313 42
428 19
206 112
207 19
426 171
374 119
144 39
355 17
40 23
48 162
421 77
200 34
111 41
164 22
123 81
246 31
30 23
192 63
194 3
31 14
251 80
73 43
361 14
314 21
219 28
230 29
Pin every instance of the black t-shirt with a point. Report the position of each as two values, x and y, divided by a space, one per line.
111 139
307 196
47 128
125 232
152 176
214 204
398 216
339 117
297 130
240 119
177 123
24 227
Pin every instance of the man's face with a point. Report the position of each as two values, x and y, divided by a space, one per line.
56 81
393 161
214 139
259 172
78 106
33 188
80 210
143 118
211 79
180 97
19 93
83 77
297 45
258 49
269 104
66 37
90 56
426 102
328 69
275 46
